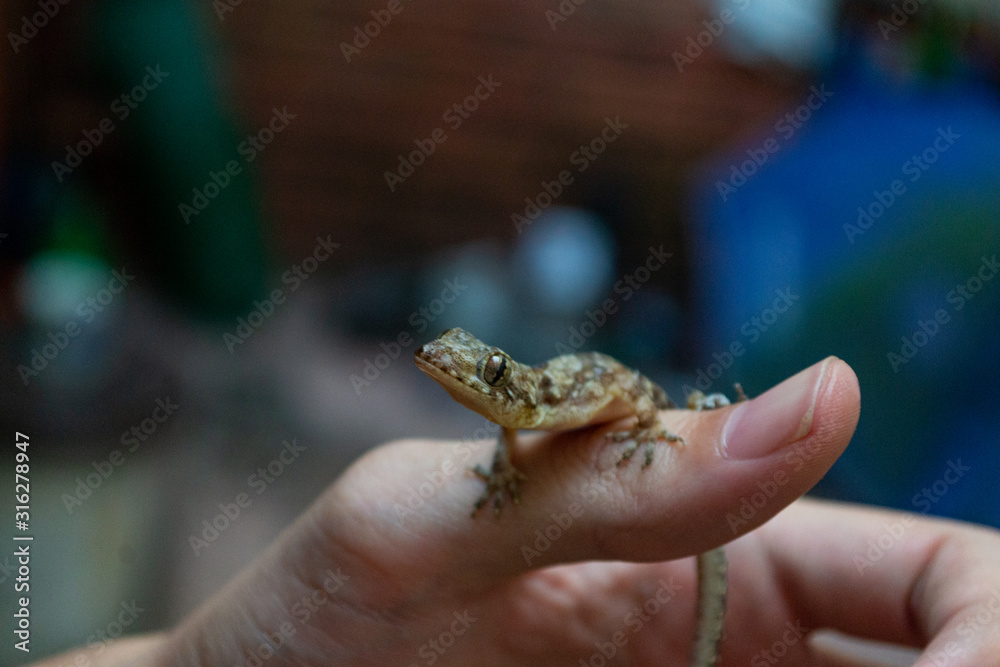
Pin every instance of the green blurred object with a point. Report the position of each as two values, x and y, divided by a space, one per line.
78 225
215 262
939 40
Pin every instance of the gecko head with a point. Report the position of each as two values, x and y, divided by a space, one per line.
481 377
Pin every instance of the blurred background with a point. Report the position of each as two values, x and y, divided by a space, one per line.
225 226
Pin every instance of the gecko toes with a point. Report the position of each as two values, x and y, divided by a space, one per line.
642 436
502 481
649 455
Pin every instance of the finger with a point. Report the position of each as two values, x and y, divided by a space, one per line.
741 465
888 576
137 650
578 505
834 649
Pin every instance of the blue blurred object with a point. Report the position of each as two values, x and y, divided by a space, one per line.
877 213
566 259
796 32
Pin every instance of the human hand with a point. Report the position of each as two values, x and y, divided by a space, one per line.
577 571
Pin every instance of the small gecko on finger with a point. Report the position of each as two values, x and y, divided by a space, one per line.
568 392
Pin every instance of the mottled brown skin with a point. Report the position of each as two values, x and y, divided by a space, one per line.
567 392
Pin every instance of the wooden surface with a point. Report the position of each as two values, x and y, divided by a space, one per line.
557 87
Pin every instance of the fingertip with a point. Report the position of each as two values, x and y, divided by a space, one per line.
742 465
842 394
779 416
788 412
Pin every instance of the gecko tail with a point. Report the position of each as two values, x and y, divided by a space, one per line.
712 582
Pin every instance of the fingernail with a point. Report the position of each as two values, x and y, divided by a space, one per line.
778 417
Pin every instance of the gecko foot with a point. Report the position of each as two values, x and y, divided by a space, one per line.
642 435
697 400
502 479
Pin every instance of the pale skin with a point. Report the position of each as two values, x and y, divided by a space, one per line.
408 579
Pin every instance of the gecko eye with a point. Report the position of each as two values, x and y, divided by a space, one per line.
494 369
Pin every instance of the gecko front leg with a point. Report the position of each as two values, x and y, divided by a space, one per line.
502 478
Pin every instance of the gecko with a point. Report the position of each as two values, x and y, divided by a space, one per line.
568 392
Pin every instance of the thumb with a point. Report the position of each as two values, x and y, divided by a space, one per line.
742 464
756 457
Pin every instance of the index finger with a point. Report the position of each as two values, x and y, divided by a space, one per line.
890 576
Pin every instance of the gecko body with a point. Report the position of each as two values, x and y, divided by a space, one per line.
568 392
564 393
